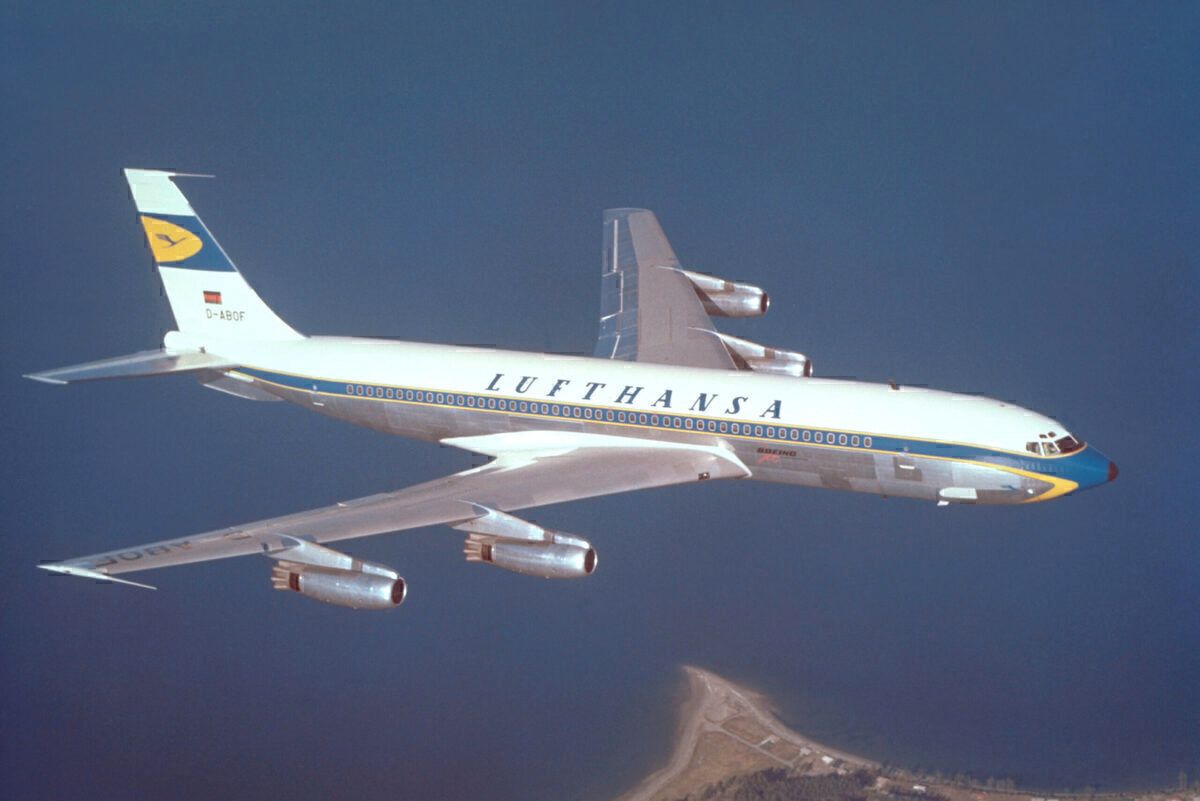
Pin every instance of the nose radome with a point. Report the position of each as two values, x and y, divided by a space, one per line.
1112 471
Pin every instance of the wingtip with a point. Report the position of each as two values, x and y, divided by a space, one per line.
44 378
83 572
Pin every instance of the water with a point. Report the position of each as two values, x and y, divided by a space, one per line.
1053 645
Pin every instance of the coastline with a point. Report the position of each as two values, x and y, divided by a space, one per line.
727 733
716 707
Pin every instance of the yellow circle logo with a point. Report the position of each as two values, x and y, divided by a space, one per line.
169 242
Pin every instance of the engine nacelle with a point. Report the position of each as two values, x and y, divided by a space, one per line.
353 588
784 363
729 298
564 557
762 359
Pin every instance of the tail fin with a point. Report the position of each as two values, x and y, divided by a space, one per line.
208 296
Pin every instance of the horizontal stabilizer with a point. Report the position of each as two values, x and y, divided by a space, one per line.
135 365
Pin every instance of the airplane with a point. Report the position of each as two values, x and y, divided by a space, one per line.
665 399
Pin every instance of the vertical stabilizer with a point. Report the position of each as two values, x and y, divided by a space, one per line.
208 296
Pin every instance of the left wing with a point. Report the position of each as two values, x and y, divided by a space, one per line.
530 468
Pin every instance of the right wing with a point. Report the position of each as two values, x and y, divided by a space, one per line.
530 468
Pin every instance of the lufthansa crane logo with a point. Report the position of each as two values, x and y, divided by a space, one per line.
170 242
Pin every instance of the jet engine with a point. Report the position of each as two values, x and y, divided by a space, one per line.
497 538
352 588
762 359
566 557
335 578
728 298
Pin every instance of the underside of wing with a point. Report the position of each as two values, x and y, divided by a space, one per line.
530 468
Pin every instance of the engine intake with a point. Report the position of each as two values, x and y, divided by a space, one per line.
728 298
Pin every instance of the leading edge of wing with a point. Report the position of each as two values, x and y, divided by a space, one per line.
529 469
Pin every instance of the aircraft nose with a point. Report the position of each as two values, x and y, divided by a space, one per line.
1113 472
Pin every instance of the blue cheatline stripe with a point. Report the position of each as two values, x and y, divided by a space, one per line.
210 256
777 435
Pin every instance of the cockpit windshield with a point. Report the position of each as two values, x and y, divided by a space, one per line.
1050 444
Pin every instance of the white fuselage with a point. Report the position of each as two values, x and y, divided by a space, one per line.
851 435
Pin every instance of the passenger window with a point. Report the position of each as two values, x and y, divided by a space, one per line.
841 439
806 436
867 442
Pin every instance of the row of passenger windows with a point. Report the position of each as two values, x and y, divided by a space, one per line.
610 415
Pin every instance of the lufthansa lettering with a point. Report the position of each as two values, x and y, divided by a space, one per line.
597 392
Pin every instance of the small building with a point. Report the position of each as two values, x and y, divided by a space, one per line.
920 788
828 760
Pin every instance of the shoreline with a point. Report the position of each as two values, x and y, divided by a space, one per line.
725 731
712 705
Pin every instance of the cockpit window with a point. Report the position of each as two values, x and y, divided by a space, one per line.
1048 446
1068 444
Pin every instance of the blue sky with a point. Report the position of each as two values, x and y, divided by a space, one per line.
982 197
